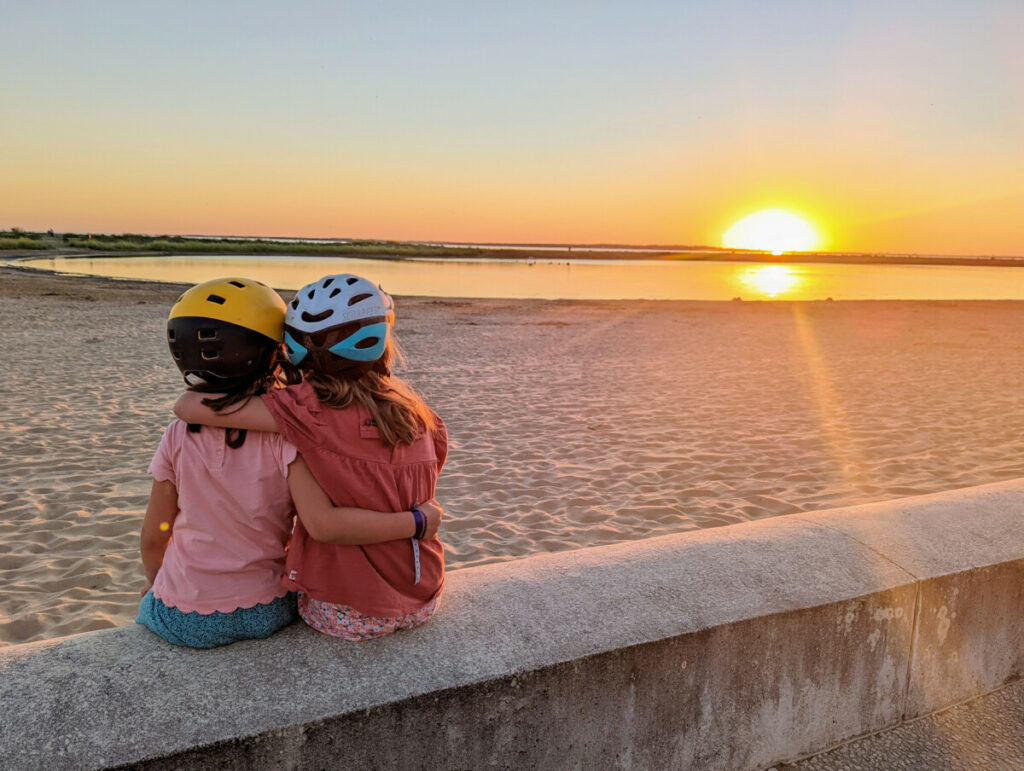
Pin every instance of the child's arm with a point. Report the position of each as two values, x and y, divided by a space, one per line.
157 527
252 415
349 526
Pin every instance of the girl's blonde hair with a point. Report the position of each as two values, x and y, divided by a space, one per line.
400 413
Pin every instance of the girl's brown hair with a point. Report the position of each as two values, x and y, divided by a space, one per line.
273 377
400 413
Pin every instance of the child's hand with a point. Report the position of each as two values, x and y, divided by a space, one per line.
434 512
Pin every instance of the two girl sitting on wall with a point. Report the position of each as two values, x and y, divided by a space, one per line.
327 427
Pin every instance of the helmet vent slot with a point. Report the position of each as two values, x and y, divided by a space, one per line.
351 280
295 303
367 342
359 298
335 292
311 293
328 282
207 334
239 284
215 298
177 356
314 317
170 334
209 355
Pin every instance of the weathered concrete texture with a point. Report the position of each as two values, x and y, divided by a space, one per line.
970 636
984 734
665 704
966 548
728 648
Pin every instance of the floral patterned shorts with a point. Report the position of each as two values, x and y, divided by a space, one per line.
349 624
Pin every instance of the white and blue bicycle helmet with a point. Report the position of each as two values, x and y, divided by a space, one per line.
339 325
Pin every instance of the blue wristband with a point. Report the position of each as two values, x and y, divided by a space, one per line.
421 523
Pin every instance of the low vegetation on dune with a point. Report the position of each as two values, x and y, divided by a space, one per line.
132 243
128 242
16 238
22 243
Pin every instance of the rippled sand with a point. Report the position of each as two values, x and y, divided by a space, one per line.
575 424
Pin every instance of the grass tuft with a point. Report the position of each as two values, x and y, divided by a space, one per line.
22 242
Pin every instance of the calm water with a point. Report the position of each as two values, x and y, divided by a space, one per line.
580 279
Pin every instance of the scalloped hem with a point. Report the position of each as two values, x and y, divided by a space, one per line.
230 606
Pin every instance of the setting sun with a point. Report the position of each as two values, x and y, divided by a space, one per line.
772 230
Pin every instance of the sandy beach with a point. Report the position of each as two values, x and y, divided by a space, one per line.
574 423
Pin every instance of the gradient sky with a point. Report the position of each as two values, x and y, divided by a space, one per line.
894 126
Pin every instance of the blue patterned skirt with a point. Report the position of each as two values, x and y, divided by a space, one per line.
196 630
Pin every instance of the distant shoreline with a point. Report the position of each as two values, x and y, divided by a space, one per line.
413 251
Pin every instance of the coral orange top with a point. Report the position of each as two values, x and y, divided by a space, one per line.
345 454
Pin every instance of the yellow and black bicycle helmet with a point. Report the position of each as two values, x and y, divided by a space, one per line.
223 333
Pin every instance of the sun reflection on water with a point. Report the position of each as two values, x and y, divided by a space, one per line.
770 280
578 279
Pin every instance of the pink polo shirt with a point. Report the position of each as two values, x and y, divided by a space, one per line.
234 519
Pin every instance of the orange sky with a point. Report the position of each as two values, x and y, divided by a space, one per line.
891 129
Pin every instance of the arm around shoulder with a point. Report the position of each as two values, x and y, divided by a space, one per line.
251 414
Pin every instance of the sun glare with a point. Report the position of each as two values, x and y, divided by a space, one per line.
772 230
770 280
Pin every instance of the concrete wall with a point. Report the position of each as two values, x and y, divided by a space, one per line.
733 648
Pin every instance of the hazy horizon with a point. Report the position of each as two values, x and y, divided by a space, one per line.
524 244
